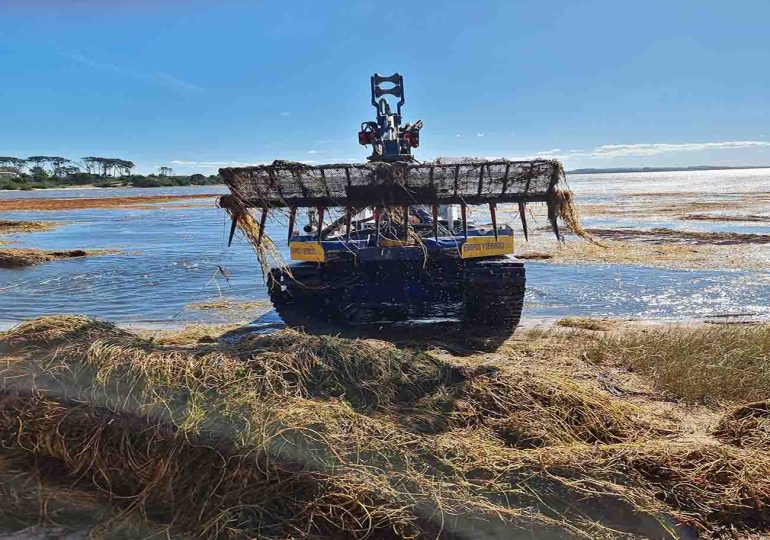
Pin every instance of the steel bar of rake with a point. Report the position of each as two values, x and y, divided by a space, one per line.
267 252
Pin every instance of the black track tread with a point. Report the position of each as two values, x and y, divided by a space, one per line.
494 293
294 301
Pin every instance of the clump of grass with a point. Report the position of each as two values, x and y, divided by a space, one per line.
746 426
709 488
33 507
229 304
704 364
531 410
188 335
48 332
585 323
290 435
366 373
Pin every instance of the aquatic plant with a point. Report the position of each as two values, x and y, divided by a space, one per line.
290 435
705 363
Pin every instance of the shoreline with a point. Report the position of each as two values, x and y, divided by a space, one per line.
540 321
91 186
76 203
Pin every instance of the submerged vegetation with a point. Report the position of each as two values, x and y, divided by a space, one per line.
18 258
289 435
12 227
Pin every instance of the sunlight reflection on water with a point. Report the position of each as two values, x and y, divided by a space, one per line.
169 257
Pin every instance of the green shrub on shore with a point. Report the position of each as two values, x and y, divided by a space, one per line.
26 182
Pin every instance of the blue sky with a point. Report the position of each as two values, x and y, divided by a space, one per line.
200 84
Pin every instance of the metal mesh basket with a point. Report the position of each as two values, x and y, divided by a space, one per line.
445 181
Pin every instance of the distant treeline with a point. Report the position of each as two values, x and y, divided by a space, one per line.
40 172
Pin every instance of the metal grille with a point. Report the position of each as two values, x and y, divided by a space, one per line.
444 181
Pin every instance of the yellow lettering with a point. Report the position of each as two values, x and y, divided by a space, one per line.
307 251
483 246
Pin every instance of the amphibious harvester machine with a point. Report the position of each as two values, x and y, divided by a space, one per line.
389 239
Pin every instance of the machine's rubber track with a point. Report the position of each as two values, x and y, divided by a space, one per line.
491 292
494 293
297 299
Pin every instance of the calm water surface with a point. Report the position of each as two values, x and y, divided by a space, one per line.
170 257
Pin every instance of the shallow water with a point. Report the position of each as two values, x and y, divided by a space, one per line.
170 257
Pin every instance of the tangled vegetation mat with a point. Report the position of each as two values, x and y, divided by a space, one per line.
295 436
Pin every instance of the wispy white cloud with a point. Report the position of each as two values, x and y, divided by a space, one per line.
173 82
209 164
622 150
479 134
158 77
609 151
458 135
284 113
606 151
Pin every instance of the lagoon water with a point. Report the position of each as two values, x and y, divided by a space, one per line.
169 255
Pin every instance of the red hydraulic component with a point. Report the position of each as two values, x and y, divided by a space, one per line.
412 138
368 133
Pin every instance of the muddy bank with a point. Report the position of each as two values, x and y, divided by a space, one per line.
291 435
100 202
12 227
661 235
19 258
748 218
